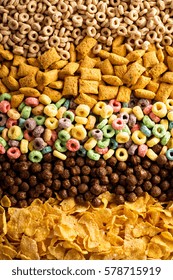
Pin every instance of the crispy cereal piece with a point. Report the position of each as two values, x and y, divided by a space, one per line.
112 80
72 52
4 71
6 54
160 55
48 57
152 48
11 83
117 42
85 99
150 59
120 70
170 63
88 62
16 100
3 88
152 86
29 92
28 81
123 94
158 70
70 85
90 74
133 73
169 50
68 70
143 93
135 55
142 82
34 62
167 78
18 59
59 64
25 69
164 92
56 85
13 72
86 45
45 78
107 92
106 67
116 59
53 94
120 50
104 54
88 86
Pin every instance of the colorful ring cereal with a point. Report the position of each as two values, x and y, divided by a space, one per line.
13 153
116 105
159 109
159 130
4 106
35 156
142 150
73 145
121 154
2 149
93 155
118 124
101 151
169 154
138 137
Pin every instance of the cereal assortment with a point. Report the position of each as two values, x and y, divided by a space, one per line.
86 129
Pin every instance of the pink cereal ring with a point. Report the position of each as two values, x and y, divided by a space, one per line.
31 101
73 145
147 110
10 122
116 105
154 118
28 135
142 150
135 127
101 151
2 150
53 138
13 153
118 124
4 106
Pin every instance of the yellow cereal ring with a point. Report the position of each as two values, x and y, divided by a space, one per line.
165 123
122 137
112 118
109 154
159 109
138 137
121 154
82 110
24 146
50 110
79 132
91 122
151 154
44 99
90 143
5 134
47 134
138 113
59 155
163 150
81 120
169 104
153 141
60 112
170 116
51 123
98 107
106 112
30 146
13 114
15 132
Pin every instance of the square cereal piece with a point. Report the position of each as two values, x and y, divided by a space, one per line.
170 63
18 59
59 64
160 55
16 100
120 71
107 92
34 62
49 57
29 92
120 50
169 50
28 81
85 99
70 85
150 59
3 88
49 76
11 83
86 45
4 71
106 67
144 93
133 73
56 85
53 94
167 78
135 55
152 86
123 94
68 70
25 69
13 72
72 52
142 82
90 74
164 92
116 59
112 80
87 86
158 70
88 62
117 42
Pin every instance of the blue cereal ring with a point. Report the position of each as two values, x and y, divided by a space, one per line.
169 154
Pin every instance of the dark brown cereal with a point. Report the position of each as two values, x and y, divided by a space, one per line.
72 191
155 191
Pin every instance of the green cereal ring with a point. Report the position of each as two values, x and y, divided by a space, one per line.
159 130
93 155
126 129
108 131
60 102
3 142
165 138
81 152
61 147
35 156
69 115
103 143
64 136
21 106
148 122
67 104
102 124
5 96
39 119
26 111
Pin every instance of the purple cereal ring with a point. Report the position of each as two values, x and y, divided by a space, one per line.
101 151
73 145
132 120
118 124
38 130
28 135
97 134
116 105
124 116
64 123
131 151
4 106
13 153
142 150
3 119
10 122
31 101
13 143
30 124
38 144
2 150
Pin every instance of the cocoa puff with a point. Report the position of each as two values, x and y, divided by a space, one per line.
22 203
70 162
131 197
76 180
6 166
32 180
129 171
3 175
48 157
80 199
157 148
72 191
11 173
161 160
164 185
58 169
48 183
147 185
119 199
122 180
139 191
88 196
170 194
35 167
46 166
146 163
109 170
100 163
112 161
163 173
114 178
96 189
169 165
104 188
24 187
101 172
13 189
90 162
47 193
8 181
130 188
104 180
24 174
80 161
85 170
93 172
66 174
121 166
120 190
155 191
131 180
135 160
75 170
63 194
20 195
155 180
56 184
82 188
66 184
162 197
96 202
85 179
154 169
13 201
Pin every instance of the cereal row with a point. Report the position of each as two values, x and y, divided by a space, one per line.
31 27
